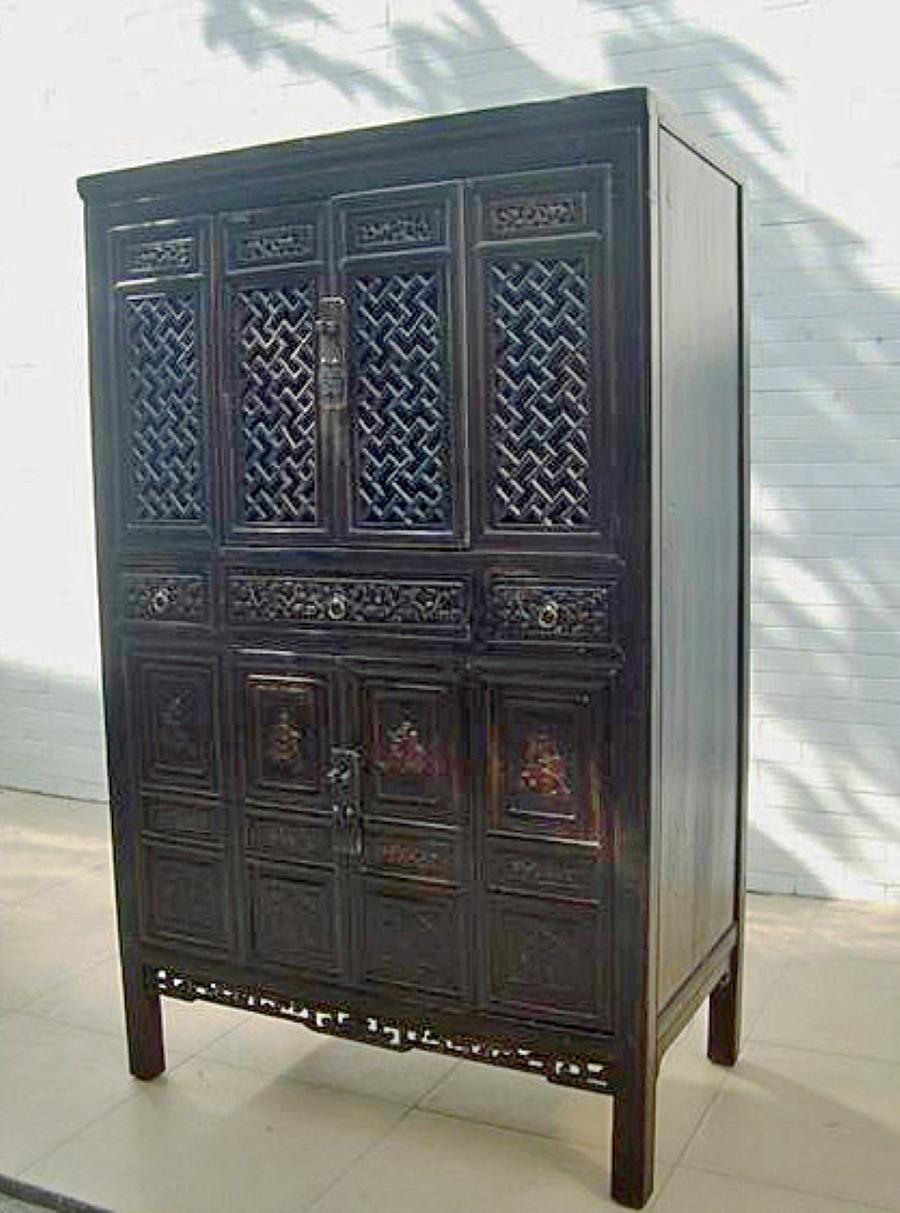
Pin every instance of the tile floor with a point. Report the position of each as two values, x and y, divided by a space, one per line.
256 1114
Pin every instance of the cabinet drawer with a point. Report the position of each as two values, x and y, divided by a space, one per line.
571 612
439 606
163 596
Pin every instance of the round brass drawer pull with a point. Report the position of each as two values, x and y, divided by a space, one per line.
337 607
548 615
161 600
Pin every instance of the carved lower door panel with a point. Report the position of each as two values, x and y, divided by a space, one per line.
288 726
546 931
411 885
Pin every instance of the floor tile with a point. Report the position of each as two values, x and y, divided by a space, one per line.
46 939
687 1085
44 842
837 1005
690 1191
290 1051
211 1136
93 999
862 930
443 1165
55 1080
805 1120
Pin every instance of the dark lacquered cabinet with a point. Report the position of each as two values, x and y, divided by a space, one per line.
420 498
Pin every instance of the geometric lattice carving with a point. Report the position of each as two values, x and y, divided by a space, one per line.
166 416
399 1035
540 423
400 408
278 423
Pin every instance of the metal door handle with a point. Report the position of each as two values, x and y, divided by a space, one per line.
346 805
331 327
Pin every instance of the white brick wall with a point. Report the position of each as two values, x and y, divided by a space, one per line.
803 92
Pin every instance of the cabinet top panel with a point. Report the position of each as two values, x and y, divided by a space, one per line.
569 116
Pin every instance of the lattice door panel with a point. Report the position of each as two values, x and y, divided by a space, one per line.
163 417
540 294
276 429
405 410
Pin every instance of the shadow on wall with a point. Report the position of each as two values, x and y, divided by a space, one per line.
826 769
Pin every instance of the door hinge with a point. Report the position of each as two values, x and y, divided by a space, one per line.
331 327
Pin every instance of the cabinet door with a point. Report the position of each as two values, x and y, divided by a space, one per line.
276 434
411 882
542 355
287 723
397 253
544 935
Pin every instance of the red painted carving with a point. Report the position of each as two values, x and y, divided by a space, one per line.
543 767
405 753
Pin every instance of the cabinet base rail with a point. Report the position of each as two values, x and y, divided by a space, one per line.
585 1073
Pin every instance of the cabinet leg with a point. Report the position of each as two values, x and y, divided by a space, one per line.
724 1037
143 1022
634 1136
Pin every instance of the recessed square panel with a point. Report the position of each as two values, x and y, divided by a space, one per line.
288 734
543 773
175 702
185 897
545 956
293 918
412 747
413 939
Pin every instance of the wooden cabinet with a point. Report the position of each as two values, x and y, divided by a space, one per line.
421 514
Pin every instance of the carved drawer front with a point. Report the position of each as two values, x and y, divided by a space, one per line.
295 838
185 897
288 737
294 918
415 853
173 815
558 612
412 937
546 958
391 605
175 707
154 596
544 751
411 732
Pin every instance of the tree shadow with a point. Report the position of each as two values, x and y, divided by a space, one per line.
825 754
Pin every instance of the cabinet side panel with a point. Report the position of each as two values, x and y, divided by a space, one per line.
700 586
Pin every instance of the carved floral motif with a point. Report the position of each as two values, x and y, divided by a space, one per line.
511 217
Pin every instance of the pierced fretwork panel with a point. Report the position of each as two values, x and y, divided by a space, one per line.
539 423
277 427
164 432
401 410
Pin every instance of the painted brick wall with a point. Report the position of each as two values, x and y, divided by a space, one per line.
802 92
